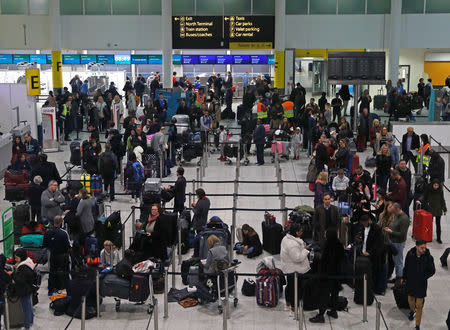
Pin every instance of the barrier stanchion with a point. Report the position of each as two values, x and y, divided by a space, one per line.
173 268
227 295
161 165
300 316
83 312
365 299
97 290
180 257
283 209
238 160
193 184
295 296
6 311
133 221
197 177
378 315
281 188
233 227
280 176
155 312
166 294
190 199
123 241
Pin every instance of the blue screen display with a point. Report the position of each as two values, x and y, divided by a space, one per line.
139 59
271 59
39 58
154 59
206 59
88 58
258 59
224 59
122 59
71 59
108 59
5 59
241 59
49 58
20 58
189 59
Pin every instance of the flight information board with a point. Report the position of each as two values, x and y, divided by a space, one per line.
223 32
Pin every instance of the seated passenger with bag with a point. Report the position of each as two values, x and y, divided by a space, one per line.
251 244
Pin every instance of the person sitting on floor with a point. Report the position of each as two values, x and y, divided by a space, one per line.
251 244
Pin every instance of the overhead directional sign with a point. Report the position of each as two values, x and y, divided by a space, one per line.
223 32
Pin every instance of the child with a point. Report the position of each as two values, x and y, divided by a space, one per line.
222 140
297 143
109 255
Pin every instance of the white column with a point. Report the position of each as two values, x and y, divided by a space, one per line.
166 30
395 39
55 18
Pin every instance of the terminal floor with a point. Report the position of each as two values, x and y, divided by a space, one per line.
248 315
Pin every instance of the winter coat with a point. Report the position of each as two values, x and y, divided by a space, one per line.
364 125
201 210
24 278
84 213
321 157
399 192
216 253
342 158
294 256
384 163
50 209
320 220
436 169
434 201
260 135
254 242
319 190
417 271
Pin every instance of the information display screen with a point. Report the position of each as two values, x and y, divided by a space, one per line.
122 59
223 32
49 58
88 58
139 59
17 58
258 59
271 59
39 58
224 59
176 59
108 59
6 59
189 59
71 59
207 59
241 59
154 59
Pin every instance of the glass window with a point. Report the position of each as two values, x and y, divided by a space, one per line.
320 7
183 7
238 7
97 7
71 7
39 7
412 6
209 7
125 7
150 7
378 6
264 7
351 6
438 6
296 7
15 7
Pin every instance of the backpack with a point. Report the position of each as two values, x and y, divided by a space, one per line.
107 165
138 173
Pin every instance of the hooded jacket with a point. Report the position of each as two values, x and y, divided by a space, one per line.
433 200
294 256
417 271
24 278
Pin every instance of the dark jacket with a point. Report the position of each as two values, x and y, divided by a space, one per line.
364 178
364 125
24 278
434 201
91 160
260 135
342 158
320 220
47 171
417 271
247 128
406 175
4 278
415 143
201 210
436 169
399 192
255 242
57 241
34 195
108 165
179 191
19 166
375 245
321 157
32 147
383 164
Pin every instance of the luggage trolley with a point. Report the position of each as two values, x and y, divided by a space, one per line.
230 149
280 144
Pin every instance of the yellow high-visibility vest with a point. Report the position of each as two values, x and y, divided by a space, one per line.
261 111
288 108
425 158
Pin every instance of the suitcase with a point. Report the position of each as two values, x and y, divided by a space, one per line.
355 164
185 267
152 185
401 296
21 216
16 317
193 277
360 143
277 147
75 153
13 177
149 198
74 186
96 185
379 101
115 286
40 254
423 225
32 240
267 288
370 162
241 110
182 120
85 180
272 236
286 148
139 288
363 266
16 193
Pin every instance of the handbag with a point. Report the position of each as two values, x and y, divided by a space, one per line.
248 288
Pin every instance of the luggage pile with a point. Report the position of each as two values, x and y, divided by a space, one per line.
16 185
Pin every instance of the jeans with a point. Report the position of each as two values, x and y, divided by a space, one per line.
27 308
240 248
398 259
260 153
382 180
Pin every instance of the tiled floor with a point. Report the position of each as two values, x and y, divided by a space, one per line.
248 315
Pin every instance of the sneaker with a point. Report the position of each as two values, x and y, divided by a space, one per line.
287 307
50 293
417 327
333 314
411 316
439 241
317 319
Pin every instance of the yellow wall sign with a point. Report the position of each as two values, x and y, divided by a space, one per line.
33 81
279 69
251 45
57 69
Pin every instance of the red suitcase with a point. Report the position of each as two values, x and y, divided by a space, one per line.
355 163
423 225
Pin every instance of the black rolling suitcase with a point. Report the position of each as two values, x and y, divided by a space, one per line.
379 101
75 153
272 236
363 266
401 296
241 110
21 216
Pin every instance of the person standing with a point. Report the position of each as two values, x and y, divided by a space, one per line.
108 166
56 240
434 202
326 216
336 103
398 231
205 127
294 259
419 267
260 140
200 210
51 199
34 194
421 91
345 95
410 142
399 192
178 191
383 166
